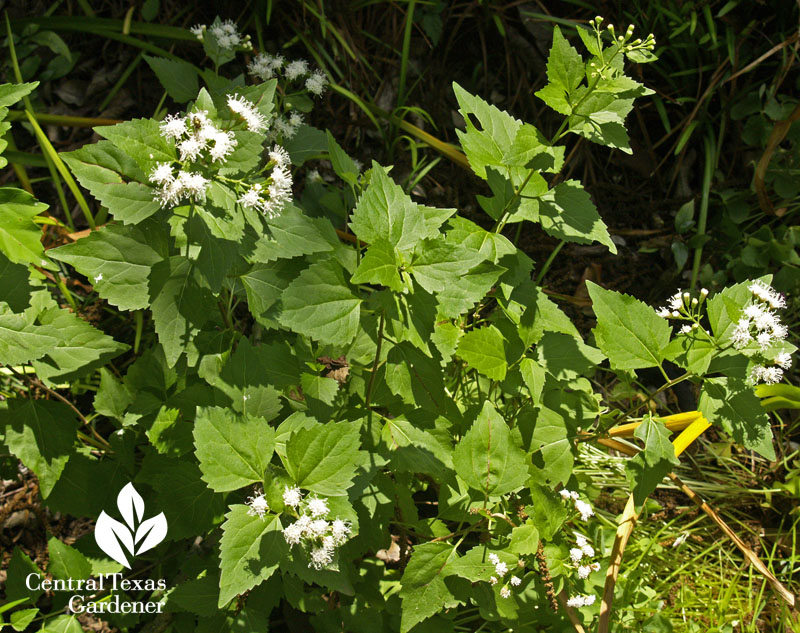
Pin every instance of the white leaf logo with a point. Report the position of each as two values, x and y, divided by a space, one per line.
111 535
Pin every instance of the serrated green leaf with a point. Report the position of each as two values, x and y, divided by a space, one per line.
491 246
141 140
18 569
117 260
11 93
628 332
22 618
533 375
323 459
307 143
649 467
319 387
112 397
15 288
724 309
66 562
600 117
532 150
250 551
553 452
248 375
178 302
524 540
489 145
233 450
63 624
484 350
264 283
731 403
475 565
22 341
178 77
472 286
385 212
79 348
41 434
320 304
487 459
424 591
343 165
20 237
564 64
417 450
567 212
416 378
439 263
198 596
379 266
566 357
292 234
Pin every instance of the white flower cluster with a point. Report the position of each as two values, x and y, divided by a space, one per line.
286 126
312 530
760 323
577 554
580 601
257 505
583 508
266 66
225 32
501 569
677 304
253 119
271 200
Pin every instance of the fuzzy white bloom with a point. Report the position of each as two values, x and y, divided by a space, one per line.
501 569
584 509
293 534
190 148
318 507
224 143
279 156
260 67
685 329
576 554
764 339
565 494
162 174
768 294
197 30
252 198
516 581
284 128
676 300
295 120
494 558
258 506
740 337
253 119
588 550
767 375
226 34
580 601
595 566
580 540
505 592
664 313
492 580
339 531
753 312
584 571
194 185
317 82
173 126
321 558
317 528
783 360
292 496
295 69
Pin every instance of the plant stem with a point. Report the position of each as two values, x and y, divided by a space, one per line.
377 360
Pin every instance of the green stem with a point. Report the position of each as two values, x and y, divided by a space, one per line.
139 322
549 262
667 385
376 361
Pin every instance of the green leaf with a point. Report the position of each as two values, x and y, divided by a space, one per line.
484 350
649 467
198 596
385 212
63 624
306 144
436 264
692 352
112 397
100 169
117 260
416 450
22 341
264 283
22 618
141 140
18 569
343 165
540 314
178 77
15 288
79 348
475 565
564 64
319 387
179 304
524 540
565 357
292 234
548 510
379 266
416 378
20 237
553 451
472 286
320 304
66 562
249 552
489 145
731 403
323 459
424 591
533 375
487 459
567 212
628 332
601 119
12 93
40 433
532 150
233 450
249 375
491 246
725 308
